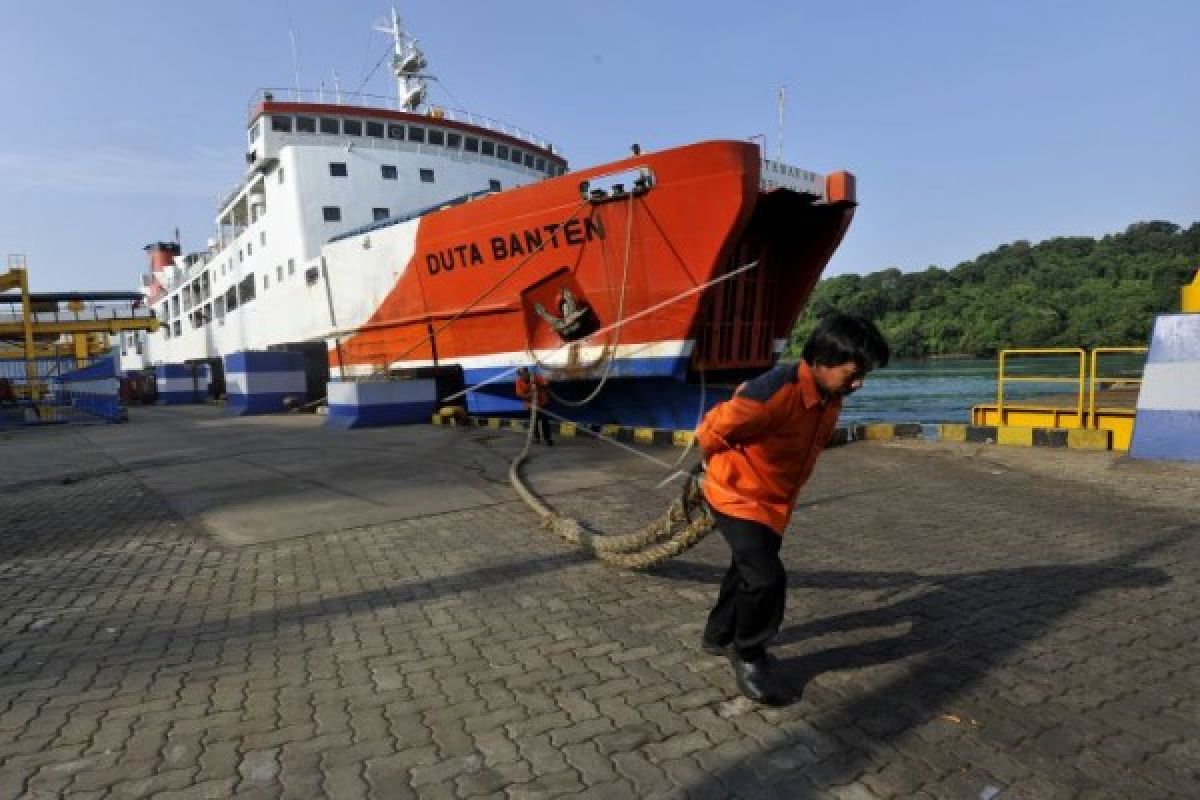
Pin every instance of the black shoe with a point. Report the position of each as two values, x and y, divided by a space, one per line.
754 680
714 649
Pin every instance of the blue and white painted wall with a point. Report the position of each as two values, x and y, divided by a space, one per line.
363 404
180 384
93 389
258 382
1167 425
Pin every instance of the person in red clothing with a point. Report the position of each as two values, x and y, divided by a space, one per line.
759 449
533 389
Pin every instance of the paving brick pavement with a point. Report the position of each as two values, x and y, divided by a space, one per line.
958 627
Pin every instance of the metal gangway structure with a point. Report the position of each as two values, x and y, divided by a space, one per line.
46 336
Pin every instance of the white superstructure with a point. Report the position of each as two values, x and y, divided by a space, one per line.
319 164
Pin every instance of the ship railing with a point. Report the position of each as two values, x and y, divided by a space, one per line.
100 313
385 103
1085 379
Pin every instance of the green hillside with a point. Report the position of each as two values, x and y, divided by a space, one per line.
1068 292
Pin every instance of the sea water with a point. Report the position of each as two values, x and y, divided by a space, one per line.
944 390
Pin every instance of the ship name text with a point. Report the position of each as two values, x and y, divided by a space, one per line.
572 233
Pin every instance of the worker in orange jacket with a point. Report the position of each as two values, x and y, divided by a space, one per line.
759 449
535 389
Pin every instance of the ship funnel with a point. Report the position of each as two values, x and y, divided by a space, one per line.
162 254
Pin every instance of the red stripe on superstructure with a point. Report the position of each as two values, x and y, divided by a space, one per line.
364 112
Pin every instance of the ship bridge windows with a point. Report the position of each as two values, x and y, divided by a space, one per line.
352 127
375 129
279 274
330 125
471 144
388 171
426 175
291 266
502 152
396 132
416 134
337 169
516 156
331 213
231 299
453 140
540 165
488 148
528 160
177 328
437 137
311 275
281 123
379 213
306 124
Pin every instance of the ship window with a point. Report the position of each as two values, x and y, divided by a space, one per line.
396 132
231 299
502 152
266 281
379 213
426 176
177 328
281 174
175 306
332 214
249 248
494 185
352 127
330 125
540 165
529 160
246 289
416 134
279 273
488 148
516 156
337 169
262 238
453 140
255 131
471 144
219 307
291 266
281 124
166 331
388 171
306 124
310 275
375 129
436 136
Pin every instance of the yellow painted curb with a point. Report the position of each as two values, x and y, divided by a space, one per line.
682 438
643 435
566 429
877 432
1088 439
610 430
1020 435
952 432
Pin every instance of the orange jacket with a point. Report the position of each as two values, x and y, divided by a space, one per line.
525 392
762 443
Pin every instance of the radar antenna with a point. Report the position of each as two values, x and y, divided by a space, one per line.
408 65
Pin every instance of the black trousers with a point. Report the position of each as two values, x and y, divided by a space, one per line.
542 428
749 609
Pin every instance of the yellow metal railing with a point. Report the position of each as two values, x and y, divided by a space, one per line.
1095 377
1002 377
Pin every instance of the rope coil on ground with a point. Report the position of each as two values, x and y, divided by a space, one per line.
641 549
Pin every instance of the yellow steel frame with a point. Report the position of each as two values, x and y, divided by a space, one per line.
1093 420
1001 377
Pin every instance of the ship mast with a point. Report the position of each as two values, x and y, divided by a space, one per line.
408 65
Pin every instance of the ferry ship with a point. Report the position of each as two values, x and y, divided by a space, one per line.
388 237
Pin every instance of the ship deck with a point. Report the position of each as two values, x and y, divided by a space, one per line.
258 605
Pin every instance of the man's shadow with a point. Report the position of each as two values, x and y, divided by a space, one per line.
959 621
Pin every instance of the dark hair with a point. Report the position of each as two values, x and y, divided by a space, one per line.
839 338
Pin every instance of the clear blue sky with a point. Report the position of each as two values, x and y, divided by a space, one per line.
968 124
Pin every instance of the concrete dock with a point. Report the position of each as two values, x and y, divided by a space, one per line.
199 606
